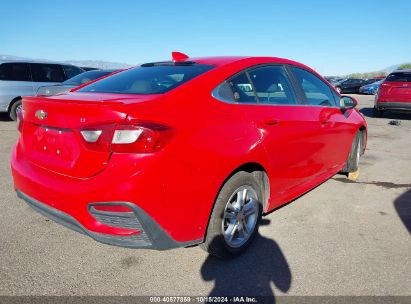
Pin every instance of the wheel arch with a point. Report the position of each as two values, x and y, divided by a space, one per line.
261 174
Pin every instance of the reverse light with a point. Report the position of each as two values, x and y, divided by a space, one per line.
91 136
126 136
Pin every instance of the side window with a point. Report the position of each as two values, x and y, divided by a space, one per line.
15 72
316 91
47 72
71 71
272 85
242 88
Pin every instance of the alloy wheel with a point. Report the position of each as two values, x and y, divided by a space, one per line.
240 216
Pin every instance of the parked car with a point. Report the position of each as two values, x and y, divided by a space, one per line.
394 93
178 153
370 80
372 88
23 78
73 82
333 80
350 85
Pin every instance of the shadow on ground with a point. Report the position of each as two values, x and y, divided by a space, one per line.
403 207
252 273
369 112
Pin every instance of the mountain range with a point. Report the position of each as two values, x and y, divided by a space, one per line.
99 64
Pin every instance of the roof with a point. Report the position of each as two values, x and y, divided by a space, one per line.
32 61
226 60
402 71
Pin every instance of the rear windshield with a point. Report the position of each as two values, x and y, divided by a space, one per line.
399 77
155 79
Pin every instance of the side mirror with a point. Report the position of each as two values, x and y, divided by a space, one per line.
347 102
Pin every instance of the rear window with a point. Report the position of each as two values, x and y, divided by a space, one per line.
72 71
47 72
15 72
85 77
399 77
153 79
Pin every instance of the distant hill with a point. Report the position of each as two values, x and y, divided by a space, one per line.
99 64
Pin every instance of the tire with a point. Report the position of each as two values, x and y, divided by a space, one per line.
227 216
354 157
378 112
14 109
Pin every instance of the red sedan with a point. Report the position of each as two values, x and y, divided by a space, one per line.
184 152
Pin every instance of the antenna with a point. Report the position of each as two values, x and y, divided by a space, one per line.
179 57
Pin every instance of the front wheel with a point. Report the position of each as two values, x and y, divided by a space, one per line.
235 217
354 157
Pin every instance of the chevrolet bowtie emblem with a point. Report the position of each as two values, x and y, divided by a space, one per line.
40 114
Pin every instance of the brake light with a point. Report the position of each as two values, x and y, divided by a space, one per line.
20 121
130 137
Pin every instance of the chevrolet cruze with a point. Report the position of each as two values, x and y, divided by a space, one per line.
184 152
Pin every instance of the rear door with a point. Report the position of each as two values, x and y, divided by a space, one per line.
287 130
334 131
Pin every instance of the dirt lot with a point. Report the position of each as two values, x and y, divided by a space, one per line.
342 238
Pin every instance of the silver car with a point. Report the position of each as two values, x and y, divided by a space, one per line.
23 78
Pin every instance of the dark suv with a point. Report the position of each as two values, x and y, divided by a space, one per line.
23 78
350 85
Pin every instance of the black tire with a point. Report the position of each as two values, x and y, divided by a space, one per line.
14 109
354 157
215 243
378 112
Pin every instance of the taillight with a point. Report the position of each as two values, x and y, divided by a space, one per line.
141 137
130 137
20 121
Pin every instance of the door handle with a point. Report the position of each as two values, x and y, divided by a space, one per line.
324 121
270 121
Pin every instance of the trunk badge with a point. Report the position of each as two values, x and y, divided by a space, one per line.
40 114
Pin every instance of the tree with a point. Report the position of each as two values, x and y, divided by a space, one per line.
405 66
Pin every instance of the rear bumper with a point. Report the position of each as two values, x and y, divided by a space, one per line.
167 223
150 235
400 106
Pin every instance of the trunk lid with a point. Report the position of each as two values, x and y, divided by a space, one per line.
51 135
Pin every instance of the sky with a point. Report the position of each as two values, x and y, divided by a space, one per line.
332 37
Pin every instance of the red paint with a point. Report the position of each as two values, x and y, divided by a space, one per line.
197 142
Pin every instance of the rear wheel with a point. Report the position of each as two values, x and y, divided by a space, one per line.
235 217
354 157
378 112
15 108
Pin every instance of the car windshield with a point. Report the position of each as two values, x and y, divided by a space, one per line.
85 77
399 77
148 79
